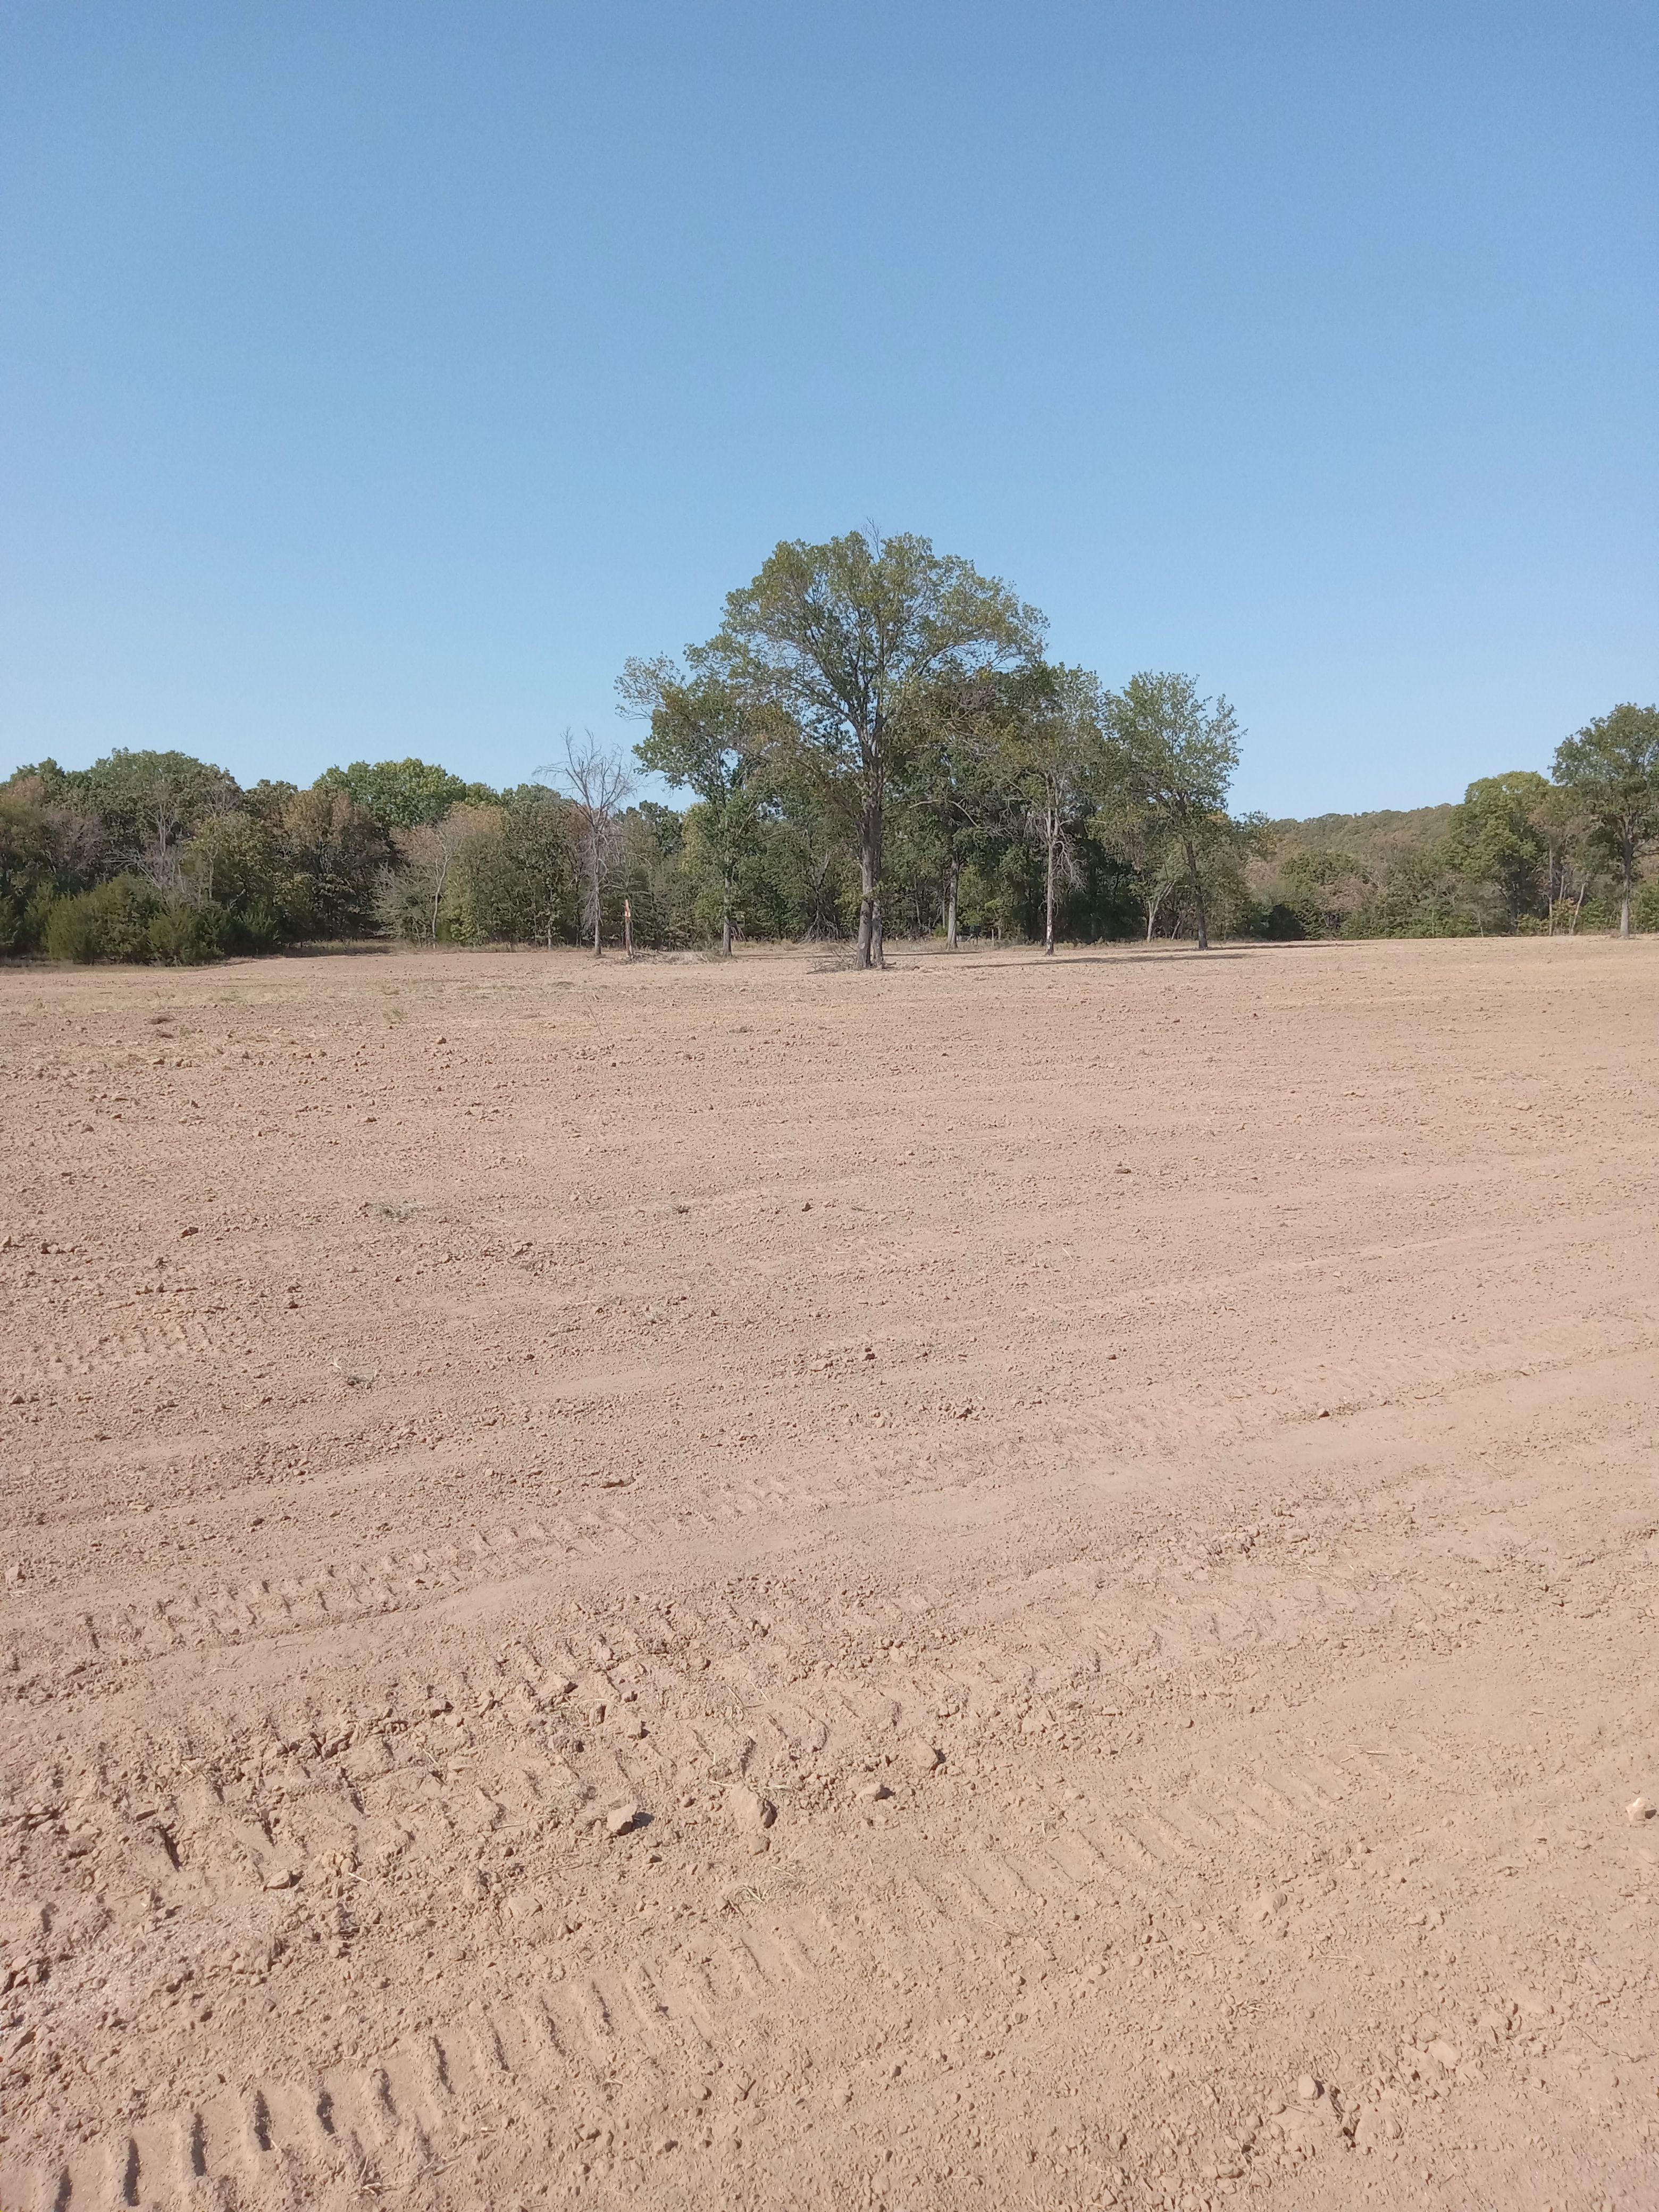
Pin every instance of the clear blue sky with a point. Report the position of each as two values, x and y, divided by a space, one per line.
374 377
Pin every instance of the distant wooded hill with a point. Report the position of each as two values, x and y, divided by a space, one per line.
1377 841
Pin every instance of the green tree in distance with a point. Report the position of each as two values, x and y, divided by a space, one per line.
406 794
1563 830
956 724
150 804
1053 746
706 736
1174 755
336 851
1611 767
839 637
1325 883
1495 837
1142 841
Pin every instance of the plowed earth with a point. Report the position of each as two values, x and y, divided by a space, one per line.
1011 1583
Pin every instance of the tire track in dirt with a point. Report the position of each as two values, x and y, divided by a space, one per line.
1135 1740
1151 1860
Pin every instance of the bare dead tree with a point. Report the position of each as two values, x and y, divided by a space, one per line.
598 786
167 822
429 849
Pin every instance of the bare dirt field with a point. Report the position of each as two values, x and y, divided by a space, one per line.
1015 1584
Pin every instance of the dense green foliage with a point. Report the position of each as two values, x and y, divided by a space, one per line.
404 794
158 856
1523 854
872 744
1608 775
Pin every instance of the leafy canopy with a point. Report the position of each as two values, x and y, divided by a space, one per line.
839 636
1612 768
405 794
1495 837
705 735
1176 753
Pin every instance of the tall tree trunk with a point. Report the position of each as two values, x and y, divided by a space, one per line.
869 950
1623 909
952 880
594 888
725 913
1198 897
1048 893
866 889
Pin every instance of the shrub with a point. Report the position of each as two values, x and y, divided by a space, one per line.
75 930
183 935
403 907
257 927
1600 914
1423 895
110 923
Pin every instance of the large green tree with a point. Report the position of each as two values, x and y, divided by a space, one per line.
1611 767
839 638
1495 839
1173 756
708 736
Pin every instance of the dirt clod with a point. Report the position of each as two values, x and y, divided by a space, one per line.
747 1811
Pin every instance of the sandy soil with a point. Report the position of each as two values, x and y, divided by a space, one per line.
1012 1584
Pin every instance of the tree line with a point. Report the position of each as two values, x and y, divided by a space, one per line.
874 743
1523 854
